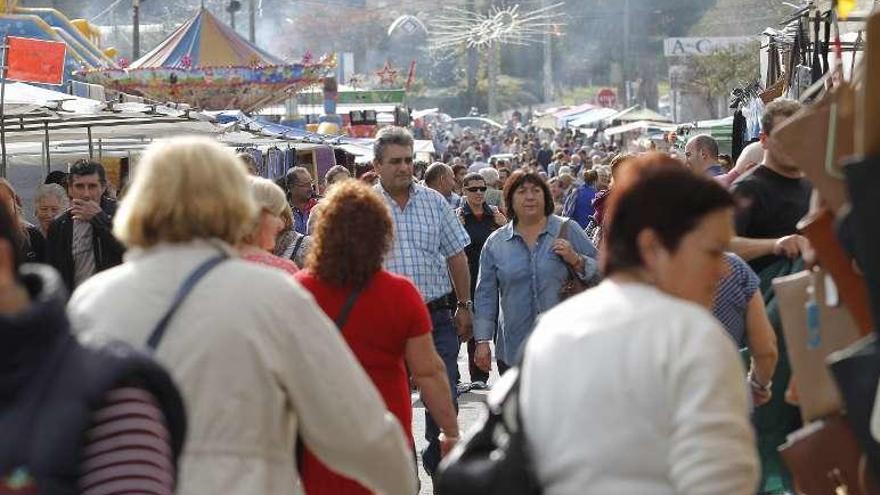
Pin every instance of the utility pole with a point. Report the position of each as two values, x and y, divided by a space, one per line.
494 61
253 21
136 30
548 63
625 65
472 64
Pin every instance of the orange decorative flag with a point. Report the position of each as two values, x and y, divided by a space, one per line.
844 7
35 61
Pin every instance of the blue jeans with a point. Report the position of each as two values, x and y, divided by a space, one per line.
447 345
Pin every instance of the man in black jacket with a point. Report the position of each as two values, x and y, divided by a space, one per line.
80 242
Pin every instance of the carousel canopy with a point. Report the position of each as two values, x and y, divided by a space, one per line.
204 41
208 65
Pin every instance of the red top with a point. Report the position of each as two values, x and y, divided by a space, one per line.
270 259
388 312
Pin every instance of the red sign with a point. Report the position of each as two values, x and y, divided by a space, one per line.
607 97
36 61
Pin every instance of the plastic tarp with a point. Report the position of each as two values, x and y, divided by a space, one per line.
562 114
591 117
635 114
24 98
639 126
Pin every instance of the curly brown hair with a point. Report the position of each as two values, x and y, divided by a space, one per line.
352 235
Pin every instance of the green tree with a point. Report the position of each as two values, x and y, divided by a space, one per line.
718 73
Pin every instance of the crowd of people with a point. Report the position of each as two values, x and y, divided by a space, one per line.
223 333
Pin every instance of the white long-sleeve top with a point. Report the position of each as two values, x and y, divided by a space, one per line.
628 390
258 364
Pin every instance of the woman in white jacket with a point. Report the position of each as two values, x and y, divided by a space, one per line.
257 362
633 387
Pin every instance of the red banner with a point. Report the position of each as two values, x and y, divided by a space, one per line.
35 61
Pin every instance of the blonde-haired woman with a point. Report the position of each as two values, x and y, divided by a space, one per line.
248 347
258 244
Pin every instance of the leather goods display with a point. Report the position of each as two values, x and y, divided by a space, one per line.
813 330
856 370
493 459
825 457
853 292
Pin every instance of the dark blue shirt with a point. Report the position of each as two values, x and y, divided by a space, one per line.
579 205
479 228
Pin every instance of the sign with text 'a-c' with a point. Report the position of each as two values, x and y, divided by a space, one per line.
684 47
35 61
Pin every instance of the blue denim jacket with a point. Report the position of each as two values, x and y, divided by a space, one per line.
525 281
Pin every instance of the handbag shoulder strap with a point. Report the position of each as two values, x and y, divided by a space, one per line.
296 246
563 230
346 309
182 293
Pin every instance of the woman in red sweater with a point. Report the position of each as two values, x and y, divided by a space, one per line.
388 327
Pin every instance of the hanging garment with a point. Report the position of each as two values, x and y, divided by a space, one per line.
740 129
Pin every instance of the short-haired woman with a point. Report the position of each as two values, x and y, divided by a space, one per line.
258 244
387 325
523 267
257 363
633 386
32 244
50 200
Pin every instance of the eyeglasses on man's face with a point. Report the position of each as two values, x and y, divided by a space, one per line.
476 189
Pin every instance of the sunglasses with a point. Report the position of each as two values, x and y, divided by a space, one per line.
476 189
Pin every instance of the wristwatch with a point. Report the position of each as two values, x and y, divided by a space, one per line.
465 305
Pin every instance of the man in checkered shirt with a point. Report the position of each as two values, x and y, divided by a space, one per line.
428 248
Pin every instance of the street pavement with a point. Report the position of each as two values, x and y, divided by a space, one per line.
470 407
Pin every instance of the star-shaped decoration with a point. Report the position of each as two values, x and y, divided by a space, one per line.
388 74
308 58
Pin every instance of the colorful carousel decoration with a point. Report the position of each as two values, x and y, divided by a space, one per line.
206 64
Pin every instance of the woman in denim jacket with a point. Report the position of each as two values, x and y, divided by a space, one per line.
523 266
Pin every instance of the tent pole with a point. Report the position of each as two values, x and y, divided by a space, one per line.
3 56
46 146
91 144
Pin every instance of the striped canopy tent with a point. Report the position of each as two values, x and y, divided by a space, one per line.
205 63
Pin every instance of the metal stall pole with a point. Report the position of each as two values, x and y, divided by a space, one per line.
91 144
46 146
3 57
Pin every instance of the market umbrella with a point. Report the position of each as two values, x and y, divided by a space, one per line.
205 63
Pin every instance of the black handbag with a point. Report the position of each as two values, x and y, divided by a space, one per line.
494 458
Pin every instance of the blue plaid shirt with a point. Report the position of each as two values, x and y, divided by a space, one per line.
426 233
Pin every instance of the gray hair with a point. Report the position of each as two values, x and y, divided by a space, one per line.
388 136
436 171
490 175
333 172
295 171
49 190
706 143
